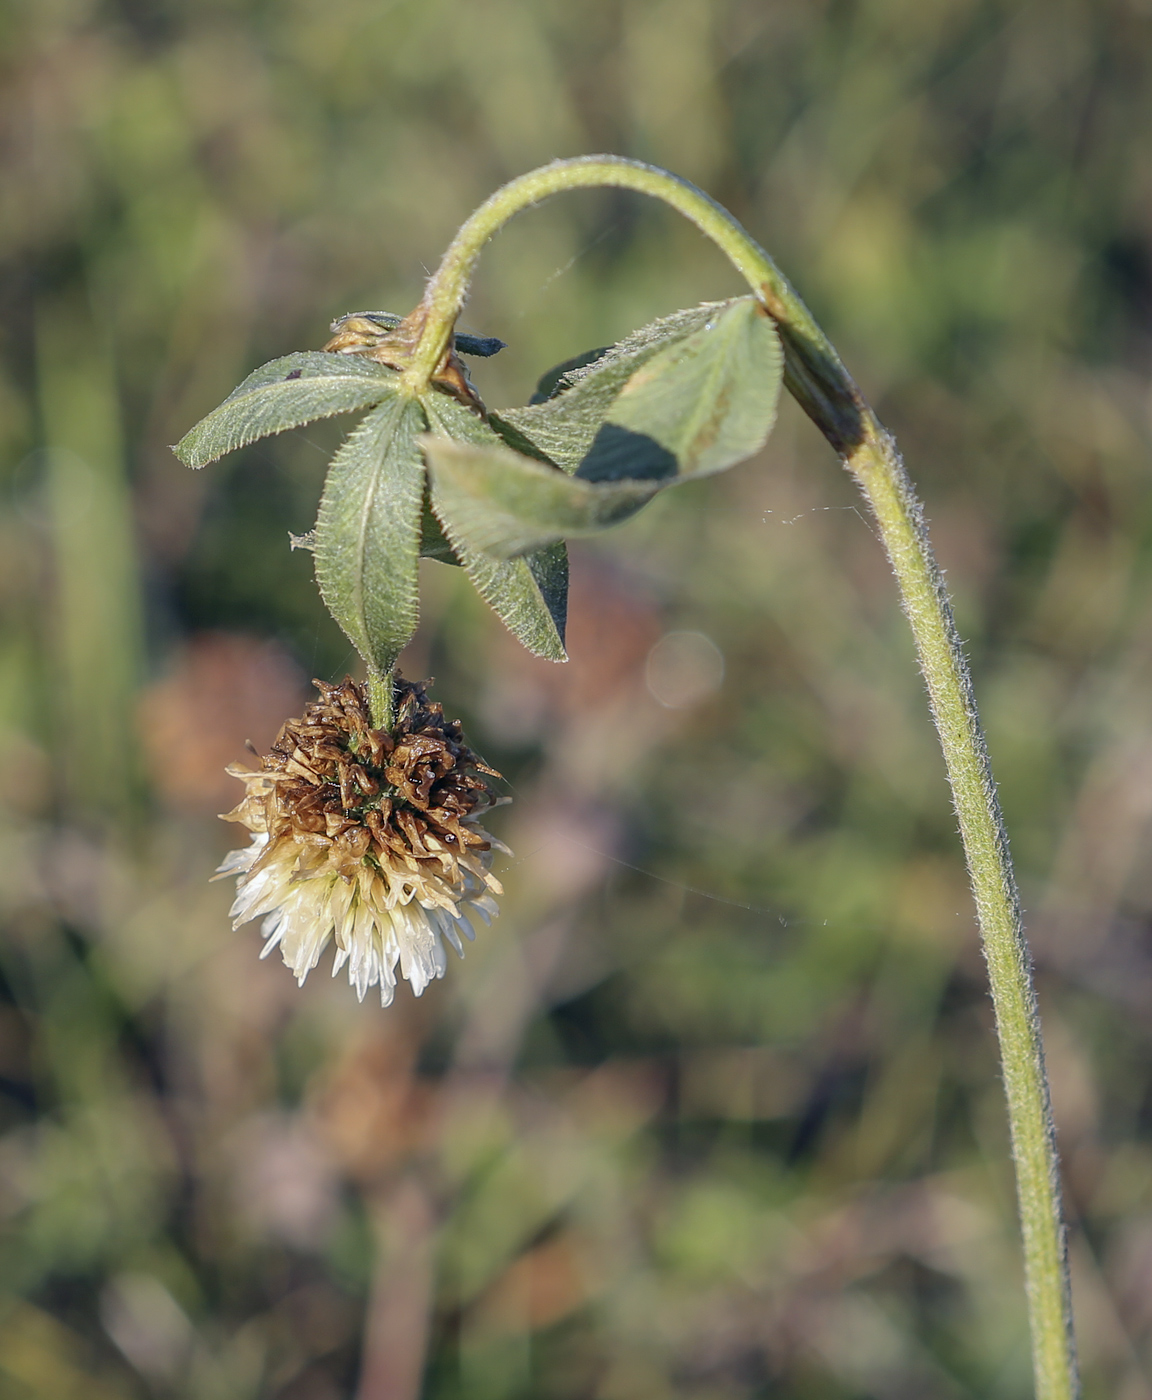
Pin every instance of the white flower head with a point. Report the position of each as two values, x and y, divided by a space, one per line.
367 839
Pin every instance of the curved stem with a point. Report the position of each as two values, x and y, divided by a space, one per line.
877 467
813 371
818 380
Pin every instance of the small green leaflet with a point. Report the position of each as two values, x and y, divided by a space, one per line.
697 406
433 541
530 595
563 427
700 402
286 393
559 377
504 504
367 538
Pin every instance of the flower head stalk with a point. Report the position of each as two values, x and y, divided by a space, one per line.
367 839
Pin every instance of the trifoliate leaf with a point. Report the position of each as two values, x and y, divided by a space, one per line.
283 394
565 425
698 405
530 594
367 538
701 402
504 504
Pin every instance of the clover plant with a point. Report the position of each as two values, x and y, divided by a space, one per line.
364 817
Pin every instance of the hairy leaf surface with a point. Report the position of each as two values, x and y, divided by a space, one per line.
529 594
698 405
700 401
565 425
504 504
283 394
367 540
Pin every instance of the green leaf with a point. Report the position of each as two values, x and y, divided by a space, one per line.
565 425
504 504
530 595
283 394
698 405
367 539
520 442
558 378
434 543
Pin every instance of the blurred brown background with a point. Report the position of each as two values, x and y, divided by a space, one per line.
713 1110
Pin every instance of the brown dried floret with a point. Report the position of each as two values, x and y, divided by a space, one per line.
334 782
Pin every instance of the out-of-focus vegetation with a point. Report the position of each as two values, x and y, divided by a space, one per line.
713 1110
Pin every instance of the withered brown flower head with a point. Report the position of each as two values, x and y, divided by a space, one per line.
366 837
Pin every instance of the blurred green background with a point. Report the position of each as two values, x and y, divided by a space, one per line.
713 1110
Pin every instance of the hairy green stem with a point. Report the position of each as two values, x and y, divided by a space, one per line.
380 697
877 467
818 380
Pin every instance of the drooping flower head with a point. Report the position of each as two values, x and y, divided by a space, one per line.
366 837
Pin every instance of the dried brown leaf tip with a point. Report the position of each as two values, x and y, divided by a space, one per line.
366 837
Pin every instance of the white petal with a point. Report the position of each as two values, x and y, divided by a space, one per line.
388 921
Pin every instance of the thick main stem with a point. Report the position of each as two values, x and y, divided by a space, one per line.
819 381
877 467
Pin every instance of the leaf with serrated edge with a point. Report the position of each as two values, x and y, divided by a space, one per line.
530 595
564 426
559 378
708 401
695 406
367 540
434 543
282 394
506 505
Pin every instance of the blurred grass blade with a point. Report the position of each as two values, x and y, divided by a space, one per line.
530 594
283 394
97 607
367 542
699 405
565 425
504 504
